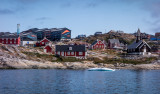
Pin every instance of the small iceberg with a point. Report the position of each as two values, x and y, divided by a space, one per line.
101 69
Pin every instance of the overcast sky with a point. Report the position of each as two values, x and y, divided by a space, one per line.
81 16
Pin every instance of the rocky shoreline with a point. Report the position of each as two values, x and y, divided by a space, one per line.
11 57
17 63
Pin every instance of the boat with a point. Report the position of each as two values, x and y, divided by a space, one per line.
101 69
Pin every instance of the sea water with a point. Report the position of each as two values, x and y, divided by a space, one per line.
54 81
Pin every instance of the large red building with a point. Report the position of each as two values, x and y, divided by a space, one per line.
98 44
77 51
10 40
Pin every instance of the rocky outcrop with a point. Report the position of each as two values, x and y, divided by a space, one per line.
16 63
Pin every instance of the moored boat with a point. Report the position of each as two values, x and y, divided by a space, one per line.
101 69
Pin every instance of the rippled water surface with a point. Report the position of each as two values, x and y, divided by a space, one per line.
52 81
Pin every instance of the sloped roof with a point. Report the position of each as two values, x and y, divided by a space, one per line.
134 45
114 41
28 39
96 42
9 36
65 48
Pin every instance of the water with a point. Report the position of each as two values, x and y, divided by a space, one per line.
52 81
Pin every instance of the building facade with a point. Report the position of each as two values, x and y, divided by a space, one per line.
10 40
97 33
53 34
139 46
48 49
114 44
43 42
77 51
98 44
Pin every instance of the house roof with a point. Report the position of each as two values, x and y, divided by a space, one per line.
134 45
45 39
28 39
9 36
114 41
96 42
65 48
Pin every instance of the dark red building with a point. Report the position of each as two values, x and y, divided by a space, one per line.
43 42
77 51
157 34
10 40
98 44
48 49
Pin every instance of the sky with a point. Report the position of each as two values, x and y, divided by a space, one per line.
81 16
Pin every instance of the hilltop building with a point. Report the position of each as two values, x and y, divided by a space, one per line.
97 33
43 42
139 46
53 34
115 44
98 44
81 36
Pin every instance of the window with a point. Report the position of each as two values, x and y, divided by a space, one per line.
62 53
70 48
58 53
68 53
72 53
80 53
42 42
10 41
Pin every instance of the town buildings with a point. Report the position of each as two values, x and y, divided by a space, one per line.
97 33
77 51
114 44
28 39
157 34
10 39
81 36
53 34
43 42
139 46
98 44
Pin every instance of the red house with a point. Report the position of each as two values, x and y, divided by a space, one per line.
48 49
77 51
98 44
43 42
10 40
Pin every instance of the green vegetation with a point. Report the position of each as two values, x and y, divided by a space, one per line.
35 56
126 61
66 59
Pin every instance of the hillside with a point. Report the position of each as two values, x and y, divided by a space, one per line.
123 37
